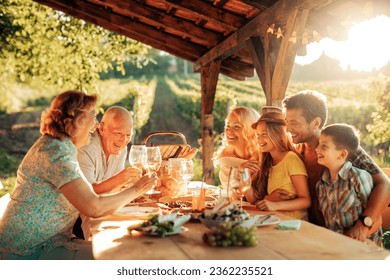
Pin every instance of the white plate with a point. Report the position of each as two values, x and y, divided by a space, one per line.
175 231
273 220
137 211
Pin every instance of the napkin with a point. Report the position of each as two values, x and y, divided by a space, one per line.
289 225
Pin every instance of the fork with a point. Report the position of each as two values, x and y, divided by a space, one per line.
264 219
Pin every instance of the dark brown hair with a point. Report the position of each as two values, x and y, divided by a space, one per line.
344 136
311 102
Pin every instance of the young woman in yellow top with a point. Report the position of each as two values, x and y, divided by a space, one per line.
281 168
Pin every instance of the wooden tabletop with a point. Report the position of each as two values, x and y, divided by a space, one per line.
111 241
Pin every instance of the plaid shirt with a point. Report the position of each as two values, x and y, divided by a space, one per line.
343 201
362 160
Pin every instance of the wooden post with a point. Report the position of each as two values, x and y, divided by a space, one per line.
209 79
274 58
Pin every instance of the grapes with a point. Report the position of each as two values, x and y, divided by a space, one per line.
228 234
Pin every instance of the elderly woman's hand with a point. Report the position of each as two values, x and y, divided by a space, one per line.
130 175
145 183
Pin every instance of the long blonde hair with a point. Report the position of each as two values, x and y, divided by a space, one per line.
246 117
278 135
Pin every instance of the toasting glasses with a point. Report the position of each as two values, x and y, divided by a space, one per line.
146 158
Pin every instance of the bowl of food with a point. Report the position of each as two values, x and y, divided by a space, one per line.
230 214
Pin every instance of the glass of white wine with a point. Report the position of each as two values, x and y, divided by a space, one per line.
188 174
153 159
138 156
240 182
153 163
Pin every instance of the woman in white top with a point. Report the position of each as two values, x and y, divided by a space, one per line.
240 147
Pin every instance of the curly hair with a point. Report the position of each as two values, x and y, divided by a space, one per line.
246 117
66 110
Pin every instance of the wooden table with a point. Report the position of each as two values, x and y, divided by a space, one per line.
111 241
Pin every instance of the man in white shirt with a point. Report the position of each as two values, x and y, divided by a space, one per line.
103 160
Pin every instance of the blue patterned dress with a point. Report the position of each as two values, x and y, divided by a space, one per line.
39 217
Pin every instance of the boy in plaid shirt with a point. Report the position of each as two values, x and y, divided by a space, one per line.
343 189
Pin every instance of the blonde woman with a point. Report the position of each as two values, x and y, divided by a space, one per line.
239 143
281 169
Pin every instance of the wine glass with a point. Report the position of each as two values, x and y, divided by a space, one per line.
138 156
240 182
188 172
153 159
153 163
177 169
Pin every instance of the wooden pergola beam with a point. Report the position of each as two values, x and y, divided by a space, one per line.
275 14
208 79
286 56
274 58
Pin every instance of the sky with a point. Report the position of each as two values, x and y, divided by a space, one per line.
367 47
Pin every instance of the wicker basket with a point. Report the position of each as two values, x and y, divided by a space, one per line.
170 150
169 186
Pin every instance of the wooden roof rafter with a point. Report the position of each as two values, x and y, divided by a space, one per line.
203 30
136 29
256 27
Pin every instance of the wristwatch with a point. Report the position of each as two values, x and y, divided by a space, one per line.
367 221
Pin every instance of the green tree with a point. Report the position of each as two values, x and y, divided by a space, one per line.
380 127
39 43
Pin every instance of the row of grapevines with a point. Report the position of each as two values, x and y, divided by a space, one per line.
134 95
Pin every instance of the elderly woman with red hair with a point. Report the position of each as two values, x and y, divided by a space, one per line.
51 190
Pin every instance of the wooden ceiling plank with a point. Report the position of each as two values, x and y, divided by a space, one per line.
211 13
257 26
259 4
286 56
239 67
122 25
187 28
233 75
